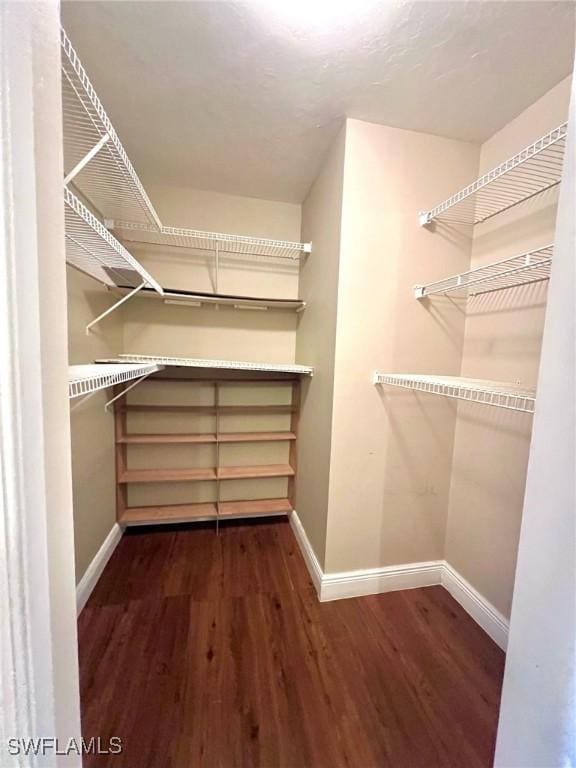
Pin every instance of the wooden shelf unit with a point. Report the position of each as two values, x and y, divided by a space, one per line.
220 508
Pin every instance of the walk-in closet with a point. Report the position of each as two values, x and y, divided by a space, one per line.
307 498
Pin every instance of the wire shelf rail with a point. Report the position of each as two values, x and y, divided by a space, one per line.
93 154
535 169
191 299
499 394
195 239
92 249
522 269
86 379
233 365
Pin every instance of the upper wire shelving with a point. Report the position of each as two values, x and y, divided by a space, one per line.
86 379
233 365
507 395
522 269
195 239
535 169
92 249
94 158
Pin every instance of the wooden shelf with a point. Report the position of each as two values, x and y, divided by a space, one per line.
254 508
200 438
222 409
168 513
255 437
218 474
167 475
208 473
185 513
261 470
172 439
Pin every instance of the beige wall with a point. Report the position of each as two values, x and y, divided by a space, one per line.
316 338
92 429
392 450
536 725
152 327
502 342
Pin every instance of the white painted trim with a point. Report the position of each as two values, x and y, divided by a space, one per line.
482 611
94 571
374 581
308 553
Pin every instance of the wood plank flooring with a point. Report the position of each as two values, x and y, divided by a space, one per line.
213 652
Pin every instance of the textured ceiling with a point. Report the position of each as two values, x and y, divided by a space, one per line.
245 98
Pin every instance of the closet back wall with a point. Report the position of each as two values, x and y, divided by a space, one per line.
152 327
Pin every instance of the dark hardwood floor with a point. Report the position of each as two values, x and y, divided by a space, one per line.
204 651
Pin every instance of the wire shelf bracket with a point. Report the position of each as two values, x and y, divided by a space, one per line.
510 396
535 169
531 267
233 365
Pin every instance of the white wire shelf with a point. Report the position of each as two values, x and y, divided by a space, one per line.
192 299
195 239
530 172
85 379
496 393
232 365
92 249
107 178
531 267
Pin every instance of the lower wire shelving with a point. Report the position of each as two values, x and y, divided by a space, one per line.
500 394
85 379
522 269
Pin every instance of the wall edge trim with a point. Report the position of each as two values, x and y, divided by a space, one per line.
373 581
92 574
314 569
476 605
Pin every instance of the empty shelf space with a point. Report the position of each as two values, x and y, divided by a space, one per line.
169 513
232 365
198 299
254 508
195 239
172 439
167 475
496 393
91 249
255 437
533 170
261 470
85 379
531 267
168 408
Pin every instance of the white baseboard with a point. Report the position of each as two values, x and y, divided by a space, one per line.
373 581
483 612
308 553
94 570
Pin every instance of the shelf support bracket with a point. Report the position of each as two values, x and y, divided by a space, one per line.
127 389
114 306
86 159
